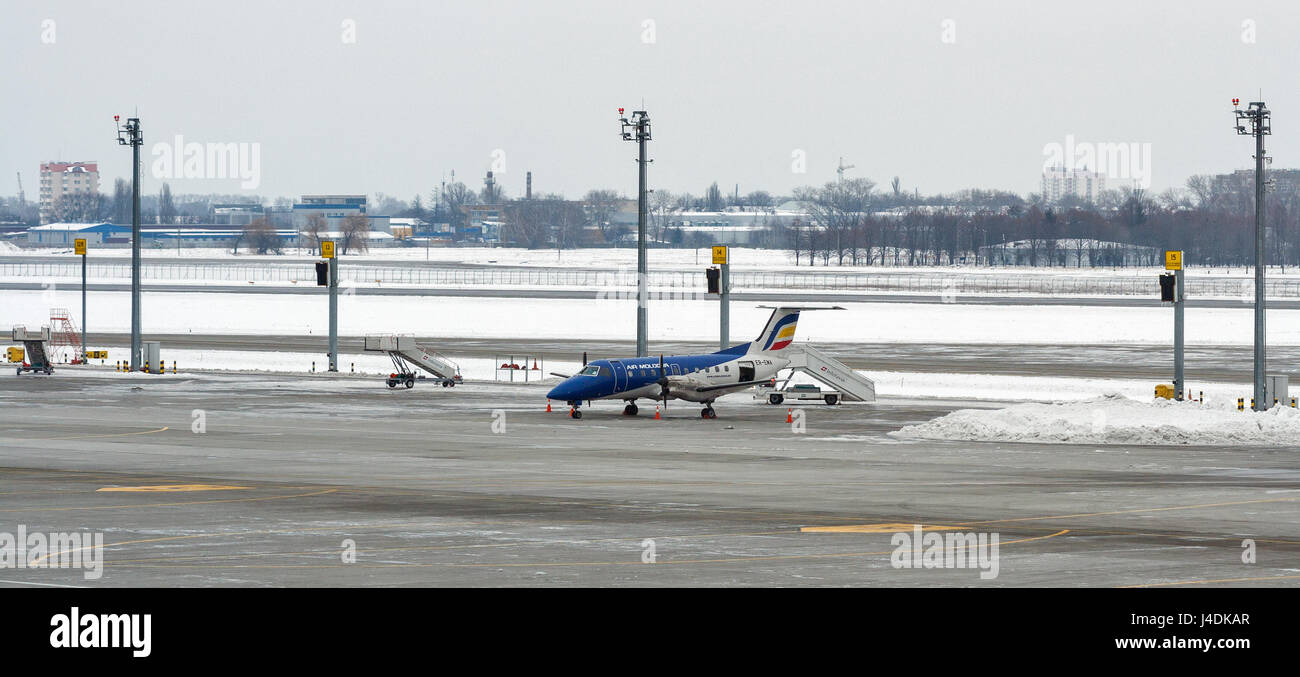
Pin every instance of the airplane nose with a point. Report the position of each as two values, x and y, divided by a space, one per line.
562 392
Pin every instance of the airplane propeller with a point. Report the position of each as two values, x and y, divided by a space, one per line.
663 383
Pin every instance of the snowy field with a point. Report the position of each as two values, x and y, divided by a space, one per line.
677 320
742 258
1116 419
375 364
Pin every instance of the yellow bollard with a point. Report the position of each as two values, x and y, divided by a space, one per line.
173 366
1241 404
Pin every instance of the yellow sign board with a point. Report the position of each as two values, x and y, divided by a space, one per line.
720 255
79 246
1173 260
327 249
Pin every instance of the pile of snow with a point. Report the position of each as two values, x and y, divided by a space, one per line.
1115 419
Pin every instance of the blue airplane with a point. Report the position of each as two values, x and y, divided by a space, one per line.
694 378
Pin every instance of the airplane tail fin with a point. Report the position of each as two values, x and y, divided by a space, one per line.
778 334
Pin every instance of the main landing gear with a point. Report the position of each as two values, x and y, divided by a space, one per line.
630 409
708 412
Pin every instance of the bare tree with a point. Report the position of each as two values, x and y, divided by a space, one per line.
356 233
601 205
166 207
662 205
261 237
316 227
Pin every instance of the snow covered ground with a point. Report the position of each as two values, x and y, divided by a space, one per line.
742 258
671 319
377 364
1117 419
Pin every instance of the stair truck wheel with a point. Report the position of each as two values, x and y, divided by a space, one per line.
775 398
410 382
832 399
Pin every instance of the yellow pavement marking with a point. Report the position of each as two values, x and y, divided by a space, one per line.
86 437
1208 581
176 487
1141 510
167 505
887 528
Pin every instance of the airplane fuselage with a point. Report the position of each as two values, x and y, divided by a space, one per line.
638 377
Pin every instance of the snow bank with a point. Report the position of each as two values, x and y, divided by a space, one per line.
1115 419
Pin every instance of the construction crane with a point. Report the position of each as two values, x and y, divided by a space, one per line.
839 171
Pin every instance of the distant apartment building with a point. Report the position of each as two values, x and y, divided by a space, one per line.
1081 183
335 208
62 181
237 214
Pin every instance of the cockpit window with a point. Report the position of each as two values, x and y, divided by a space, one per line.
591 370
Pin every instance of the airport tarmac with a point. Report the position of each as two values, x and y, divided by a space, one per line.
479 486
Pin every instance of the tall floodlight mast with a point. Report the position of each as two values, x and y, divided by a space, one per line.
1257 121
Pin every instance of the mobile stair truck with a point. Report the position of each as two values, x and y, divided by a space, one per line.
406 352
35 359
847 385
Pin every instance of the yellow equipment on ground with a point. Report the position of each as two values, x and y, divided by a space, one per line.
14 354
1165 391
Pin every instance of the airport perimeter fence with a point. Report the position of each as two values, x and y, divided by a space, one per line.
895 281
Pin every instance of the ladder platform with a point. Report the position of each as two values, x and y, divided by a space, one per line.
852 386
407 349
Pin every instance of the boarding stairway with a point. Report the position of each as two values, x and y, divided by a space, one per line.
404 350
852 386
35 357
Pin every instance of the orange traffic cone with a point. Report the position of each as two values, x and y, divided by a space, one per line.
656 412
789 418
548 405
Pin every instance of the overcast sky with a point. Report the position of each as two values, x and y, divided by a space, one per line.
945 95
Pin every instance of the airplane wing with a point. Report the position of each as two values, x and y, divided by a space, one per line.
724 386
